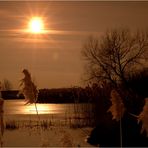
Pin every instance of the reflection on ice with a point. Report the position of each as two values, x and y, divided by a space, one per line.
42 109
19 107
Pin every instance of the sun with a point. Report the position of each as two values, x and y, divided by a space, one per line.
36 25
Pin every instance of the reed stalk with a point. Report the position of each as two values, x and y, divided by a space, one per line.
117 109
29 90
1 121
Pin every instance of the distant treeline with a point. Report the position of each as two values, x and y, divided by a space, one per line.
133 94
61 95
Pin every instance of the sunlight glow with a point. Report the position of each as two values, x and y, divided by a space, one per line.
36 25
42 109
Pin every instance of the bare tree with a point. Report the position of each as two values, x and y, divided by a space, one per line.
115 55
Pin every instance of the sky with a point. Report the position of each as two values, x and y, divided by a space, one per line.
54 59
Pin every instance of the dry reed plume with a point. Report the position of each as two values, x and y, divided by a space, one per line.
29 90
117 108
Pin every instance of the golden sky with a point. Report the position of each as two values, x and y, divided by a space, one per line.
54 59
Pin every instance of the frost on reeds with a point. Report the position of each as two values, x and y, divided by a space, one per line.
143 117
29 90
117 108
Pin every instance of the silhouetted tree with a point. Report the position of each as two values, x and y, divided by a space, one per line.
118 59
115 55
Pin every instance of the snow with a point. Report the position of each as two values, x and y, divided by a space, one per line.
29 132
61 136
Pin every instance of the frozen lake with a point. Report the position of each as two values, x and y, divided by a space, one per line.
18 109
53 128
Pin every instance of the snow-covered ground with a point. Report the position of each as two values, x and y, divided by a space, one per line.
53 136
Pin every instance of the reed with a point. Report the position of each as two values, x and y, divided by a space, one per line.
83 112
30 91
1 121
11 125
143 117
117 109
